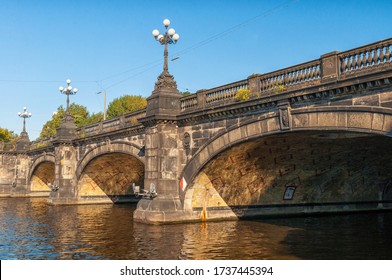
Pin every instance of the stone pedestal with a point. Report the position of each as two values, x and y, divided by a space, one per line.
64 188
23 142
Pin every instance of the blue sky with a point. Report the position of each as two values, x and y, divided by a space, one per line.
108 45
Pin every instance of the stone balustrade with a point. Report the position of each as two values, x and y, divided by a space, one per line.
126 120
226 92
369 57
336 65
290 77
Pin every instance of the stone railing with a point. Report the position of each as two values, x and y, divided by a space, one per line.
369 57
41 143
223 93
212 97
329 67
189 102
126 120
282 80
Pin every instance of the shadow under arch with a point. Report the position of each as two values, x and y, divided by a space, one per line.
115 147
108 173
41 174
327 155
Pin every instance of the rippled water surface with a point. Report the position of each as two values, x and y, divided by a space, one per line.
30 229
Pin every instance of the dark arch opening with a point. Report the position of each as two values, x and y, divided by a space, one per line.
111 176
331 170
42 176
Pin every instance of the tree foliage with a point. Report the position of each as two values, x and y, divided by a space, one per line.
7 135
81 117
125 104
186 93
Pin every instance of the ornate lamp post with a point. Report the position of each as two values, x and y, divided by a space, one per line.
169 37
164 99
23 141
24 115
68 91
163 108
67 126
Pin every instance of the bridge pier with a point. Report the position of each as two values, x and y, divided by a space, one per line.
64 187
162 166
162 155
14 169
19 184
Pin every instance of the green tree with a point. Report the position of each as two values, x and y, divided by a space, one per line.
186 93
79 112
125 104
94 118
7 135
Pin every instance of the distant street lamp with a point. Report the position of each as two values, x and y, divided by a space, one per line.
170 37
104 103
24 115
68 91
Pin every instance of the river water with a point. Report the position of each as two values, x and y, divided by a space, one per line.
30 229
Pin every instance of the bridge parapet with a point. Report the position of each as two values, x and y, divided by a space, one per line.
370 59
301 75
126 120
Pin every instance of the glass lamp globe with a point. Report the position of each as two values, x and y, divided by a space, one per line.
155 32
166 22
68 81
171 32
176 37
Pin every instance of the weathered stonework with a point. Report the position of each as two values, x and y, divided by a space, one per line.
311 138
65 175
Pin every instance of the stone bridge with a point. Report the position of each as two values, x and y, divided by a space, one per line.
311 138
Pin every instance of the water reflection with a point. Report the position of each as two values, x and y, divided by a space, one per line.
29 229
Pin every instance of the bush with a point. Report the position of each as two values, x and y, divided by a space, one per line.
242 94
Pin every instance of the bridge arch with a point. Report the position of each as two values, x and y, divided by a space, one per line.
108 171
106 148
41 173
316 148
362 119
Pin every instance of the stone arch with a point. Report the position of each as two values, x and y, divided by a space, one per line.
108 172
42 172
361 119
115 147
324 159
